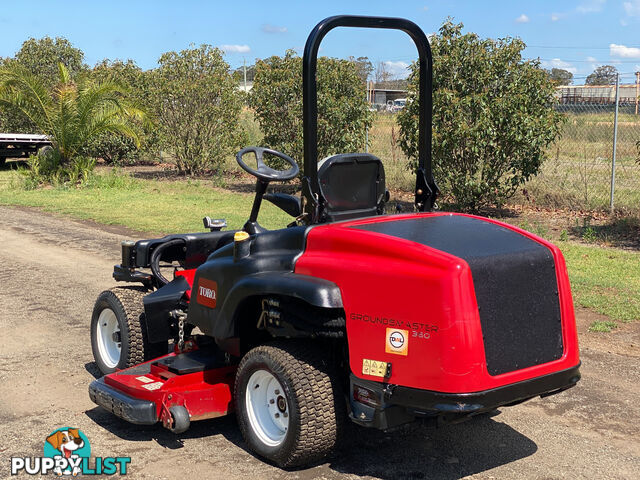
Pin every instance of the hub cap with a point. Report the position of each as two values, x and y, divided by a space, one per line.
267 408
108 336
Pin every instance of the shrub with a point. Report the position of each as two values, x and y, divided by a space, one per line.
493 117
71 115
343 116
117 149
114 149
46 167
40 57
197 107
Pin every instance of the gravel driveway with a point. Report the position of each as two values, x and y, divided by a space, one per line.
53 269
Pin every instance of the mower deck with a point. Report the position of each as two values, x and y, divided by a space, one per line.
200 381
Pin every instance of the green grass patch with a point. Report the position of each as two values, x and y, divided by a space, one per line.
147 205
605 280
600 326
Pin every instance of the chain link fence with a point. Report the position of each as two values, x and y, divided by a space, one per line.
383 142
578 172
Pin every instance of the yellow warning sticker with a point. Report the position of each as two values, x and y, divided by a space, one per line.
374 368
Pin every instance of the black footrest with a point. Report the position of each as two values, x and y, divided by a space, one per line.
192 362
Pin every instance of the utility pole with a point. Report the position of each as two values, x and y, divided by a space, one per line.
244 69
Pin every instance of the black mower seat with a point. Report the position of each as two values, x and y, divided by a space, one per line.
353 185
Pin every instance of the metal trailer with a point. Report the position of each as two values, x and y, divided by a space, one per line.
21 145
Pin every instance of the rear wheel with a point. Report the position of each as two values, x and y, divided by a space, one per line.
288 403
118 332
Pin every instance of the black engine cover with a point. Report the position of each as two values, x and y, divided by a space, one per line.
515 285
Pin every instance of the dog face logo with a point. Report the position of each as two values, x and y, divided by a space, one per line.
70 444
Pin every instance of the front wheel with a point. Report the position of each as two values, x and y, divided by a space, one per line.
288 403
118 332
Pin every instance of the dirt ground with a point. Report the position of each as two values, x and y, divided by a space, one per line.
52 271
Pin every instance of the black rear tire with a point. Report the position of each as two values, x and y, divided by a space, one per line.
314 402
126 304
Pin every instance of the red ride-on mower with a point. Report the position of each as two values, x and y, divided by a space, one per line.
347 313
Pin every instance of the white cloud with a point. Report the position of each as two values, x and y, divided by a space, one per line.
591 6
268 28
632 8
235 48
558 63
555 17
522 19
591 59
397 69
623 51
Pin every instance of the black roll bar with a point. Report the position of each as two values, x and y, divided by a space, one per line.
426 189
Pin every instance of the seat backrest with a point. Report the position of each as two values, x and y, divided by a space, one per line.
352 185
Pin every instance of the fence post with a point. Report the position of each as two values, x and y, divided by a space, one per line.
615 143
637 90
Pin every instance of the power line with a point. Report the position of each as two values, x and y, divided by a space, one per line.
576 47
588 61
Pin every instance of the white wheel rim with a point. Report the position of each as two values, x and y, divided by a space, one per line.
267 408
108 348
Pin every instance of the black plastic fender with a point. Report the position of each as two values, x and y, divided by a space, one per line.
315 291
157 306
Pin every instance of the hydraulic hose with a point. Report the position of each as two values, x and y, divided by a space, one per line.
157 255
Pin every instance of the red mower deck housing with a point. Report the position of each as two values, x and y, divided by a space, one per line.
197 380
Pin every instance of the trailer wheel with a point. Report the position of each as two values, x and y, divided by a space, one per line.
288 403
118 332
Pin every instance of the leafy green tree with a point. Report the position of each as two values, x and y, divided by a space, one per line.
493 117
603 75
197 107
364 67
115 148
560 76
343 115
41 57
71 114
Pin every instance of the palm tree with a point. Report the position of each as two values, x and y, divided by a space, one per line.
73 113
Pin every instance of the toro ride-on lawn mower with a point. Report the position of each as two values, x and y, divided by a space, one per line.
345 314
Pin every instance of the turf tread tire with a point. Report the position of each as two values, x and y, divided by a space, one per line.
129 301
313 392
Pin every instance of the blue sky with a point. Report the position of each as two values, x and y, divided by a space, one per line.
576 35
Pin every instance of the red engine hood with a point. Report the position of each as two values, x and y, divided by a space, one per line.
411 304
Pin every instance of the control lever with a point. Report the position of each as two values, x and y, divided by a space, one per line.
215 224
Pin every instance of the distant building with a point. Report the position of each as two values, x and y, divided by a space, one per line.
596 94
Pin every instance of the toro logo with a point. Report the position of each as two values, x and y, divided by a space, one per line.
397 341
207 292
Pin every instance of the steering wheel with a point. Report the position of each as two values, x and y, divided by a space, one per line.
264 172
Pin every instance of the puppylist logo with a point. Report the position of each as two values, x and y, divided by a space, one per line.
67 452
